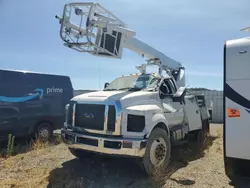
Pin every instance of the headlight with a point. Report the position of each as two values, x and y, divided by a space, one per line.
66 112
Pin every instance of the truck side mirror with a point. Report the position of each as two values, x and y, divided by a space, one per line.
179 95
106 85
66 106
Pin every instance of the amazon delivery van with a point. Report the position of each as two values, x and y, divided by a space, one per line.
32 104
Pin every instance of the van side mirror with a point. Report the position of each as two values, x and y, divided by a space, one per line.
179 95
106 85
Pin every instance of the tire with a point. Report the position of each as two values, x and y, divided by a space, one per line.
206 127
228 168
200 140
158 150
201 135
235 168
44 132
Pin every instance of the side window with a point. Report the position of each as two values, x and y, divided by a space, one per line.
153 82
169 86
173 86
166 88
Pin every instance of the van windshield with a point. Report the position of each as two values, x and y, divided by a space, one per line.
133 82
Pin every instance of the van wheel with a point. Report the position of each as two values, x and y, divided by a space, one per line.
44 132
158 150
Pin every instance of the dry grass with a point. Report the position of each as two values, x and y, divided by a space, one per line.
55 166
161 176
27 145
181 157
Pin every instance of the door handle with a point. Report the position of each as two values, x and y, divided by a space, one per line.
197 111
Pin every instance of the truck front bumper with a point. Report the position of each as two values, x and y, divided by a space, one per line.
133 147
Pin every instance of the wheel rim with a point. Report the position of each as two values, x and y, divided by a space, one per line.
44 133
158 152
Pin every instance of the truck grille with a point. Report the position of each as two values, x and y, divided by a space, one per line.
69 113
90 116
111 118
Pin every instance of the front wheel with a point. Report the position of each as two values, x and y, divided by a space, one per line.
158 150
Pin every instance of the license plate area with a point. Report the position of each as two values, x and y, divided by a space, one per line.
87 141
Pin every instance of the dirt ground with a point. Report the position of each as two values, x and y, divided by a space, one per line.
55 166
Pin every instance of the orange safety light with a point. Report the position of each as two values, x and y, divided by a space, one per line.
231 112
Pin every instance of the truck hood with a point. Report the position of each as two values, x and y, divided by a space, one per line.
124 97
100 96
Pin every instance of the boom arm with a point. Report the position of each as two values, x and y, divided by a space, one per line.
103 34
144 49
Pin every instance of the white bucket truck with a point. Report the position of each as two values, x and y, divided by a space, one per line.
141 115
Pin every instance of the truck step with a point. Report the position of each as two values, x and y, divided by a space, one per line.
178 135
191 137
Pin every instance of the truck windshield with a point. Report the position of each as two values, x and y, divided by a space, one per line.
133 82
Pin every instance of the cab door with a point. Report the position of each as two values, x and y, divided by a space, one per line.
173 111
193 113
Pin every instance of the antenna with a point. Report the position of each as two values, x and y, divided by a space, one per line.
98 31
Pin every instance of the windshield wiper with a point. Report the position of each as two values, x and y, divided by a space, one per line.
131 88
135 89
110 89
124 88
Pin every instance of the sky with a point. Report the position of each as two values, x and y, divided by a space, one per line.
191 32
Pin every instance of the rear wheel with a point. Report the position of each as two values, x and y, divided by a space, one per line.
237 168
206 127
44 132
158 150
200 140
201 135
228 168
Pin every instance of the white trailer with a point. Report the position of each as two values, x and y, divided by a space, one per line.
141 115
237 106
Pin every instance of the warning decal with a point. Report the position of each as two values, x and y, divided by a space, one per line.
231 112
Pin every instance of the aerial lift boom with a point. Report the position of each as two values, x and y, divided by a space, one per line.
103 34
